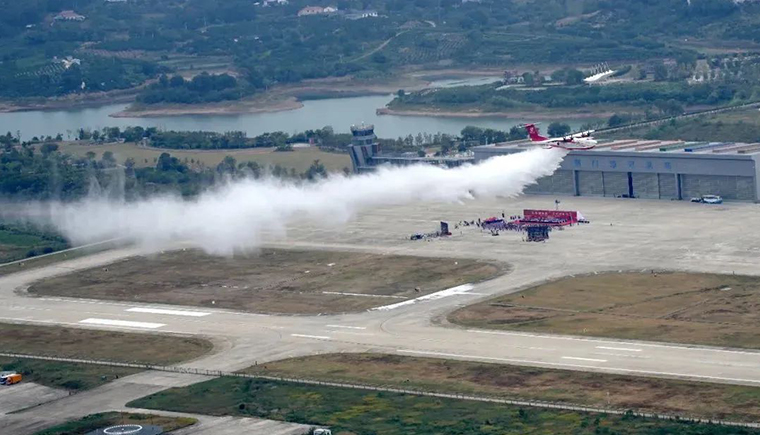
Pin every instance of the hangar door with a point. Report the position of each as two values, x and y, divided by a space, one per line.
745 189
646 185
561 182
667 186
729 187
590 183
615 184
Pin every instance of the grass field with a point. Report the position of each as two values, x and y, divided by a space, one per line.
720 310
101 345
349 411
710 401
107 419
68 376
273 281
17 243
300 159
39 261
89 344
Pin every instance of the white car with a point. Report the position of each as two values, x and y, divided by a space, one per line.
712 199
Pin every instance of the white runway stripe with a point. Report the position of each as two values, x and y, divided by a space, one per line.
584 359
346 327
624 349
364 295
169 312
122 323
454 291
318 337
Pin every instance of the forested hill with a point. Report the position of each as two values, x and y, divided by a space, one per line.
124 43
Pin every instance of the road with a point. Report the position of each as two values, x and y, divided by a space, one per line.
623 235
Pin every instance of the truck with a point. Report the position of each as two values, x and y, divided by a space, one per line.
10 379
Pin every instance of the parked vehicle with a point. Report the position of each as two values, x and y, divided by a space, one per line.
712 199
10 379
708 199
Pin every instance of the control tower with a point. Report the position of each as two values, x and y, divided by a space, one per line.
363 147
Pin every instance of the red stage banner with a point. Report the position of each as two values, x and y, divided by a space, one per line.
544 215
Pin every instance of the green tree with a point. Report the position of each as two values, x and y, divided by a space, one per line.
529 79
108 159
557 129
660 72
516 133
227 165
574 77
48 148
618 120
316 170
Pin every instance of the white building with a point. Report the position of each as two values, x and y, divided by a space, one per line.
69 16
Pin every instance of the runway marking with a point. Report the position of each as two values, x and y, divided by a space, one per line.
592 340
124 323
584 359
582 366
318 337
346 327
623 349
621 355
363 295
169 312
365 334
458 290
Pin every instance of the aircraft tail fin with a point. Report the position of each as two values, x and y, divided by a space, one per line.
533 133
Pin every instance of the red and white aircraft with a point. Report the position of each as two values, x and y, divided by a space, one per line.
577 141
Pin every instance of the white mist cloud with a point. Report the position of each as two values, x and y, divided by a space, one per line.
244 214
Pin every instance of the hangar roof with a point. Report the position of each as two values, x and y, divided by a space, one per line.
659 146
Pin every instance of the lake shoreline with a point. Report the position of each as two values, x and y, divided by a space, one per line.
322 105
53 104
279 98
227 108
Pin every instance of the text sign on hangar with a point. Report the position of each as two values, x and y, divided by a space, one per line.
623 164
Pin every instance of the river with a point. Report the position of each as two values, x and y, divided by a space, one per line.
340 113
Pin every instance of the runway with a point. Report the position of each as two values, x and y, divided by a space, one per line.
623 235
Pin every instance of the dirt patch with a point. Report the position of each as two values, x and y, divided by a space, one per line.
713 401
101 345
721 310
273 281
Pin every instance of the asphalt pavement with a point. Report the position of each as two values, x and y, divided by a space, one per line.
624 234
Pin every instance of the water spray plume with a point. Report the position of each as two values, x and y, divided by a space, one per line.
244 214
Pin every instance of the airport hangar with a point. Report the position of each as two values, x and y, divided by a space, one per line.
650 169
674 170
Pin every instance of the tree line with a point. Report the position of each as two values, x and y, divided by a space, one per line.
203 88
41 171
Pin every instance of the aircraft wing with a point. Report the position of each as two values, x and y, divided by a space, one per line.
586 133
